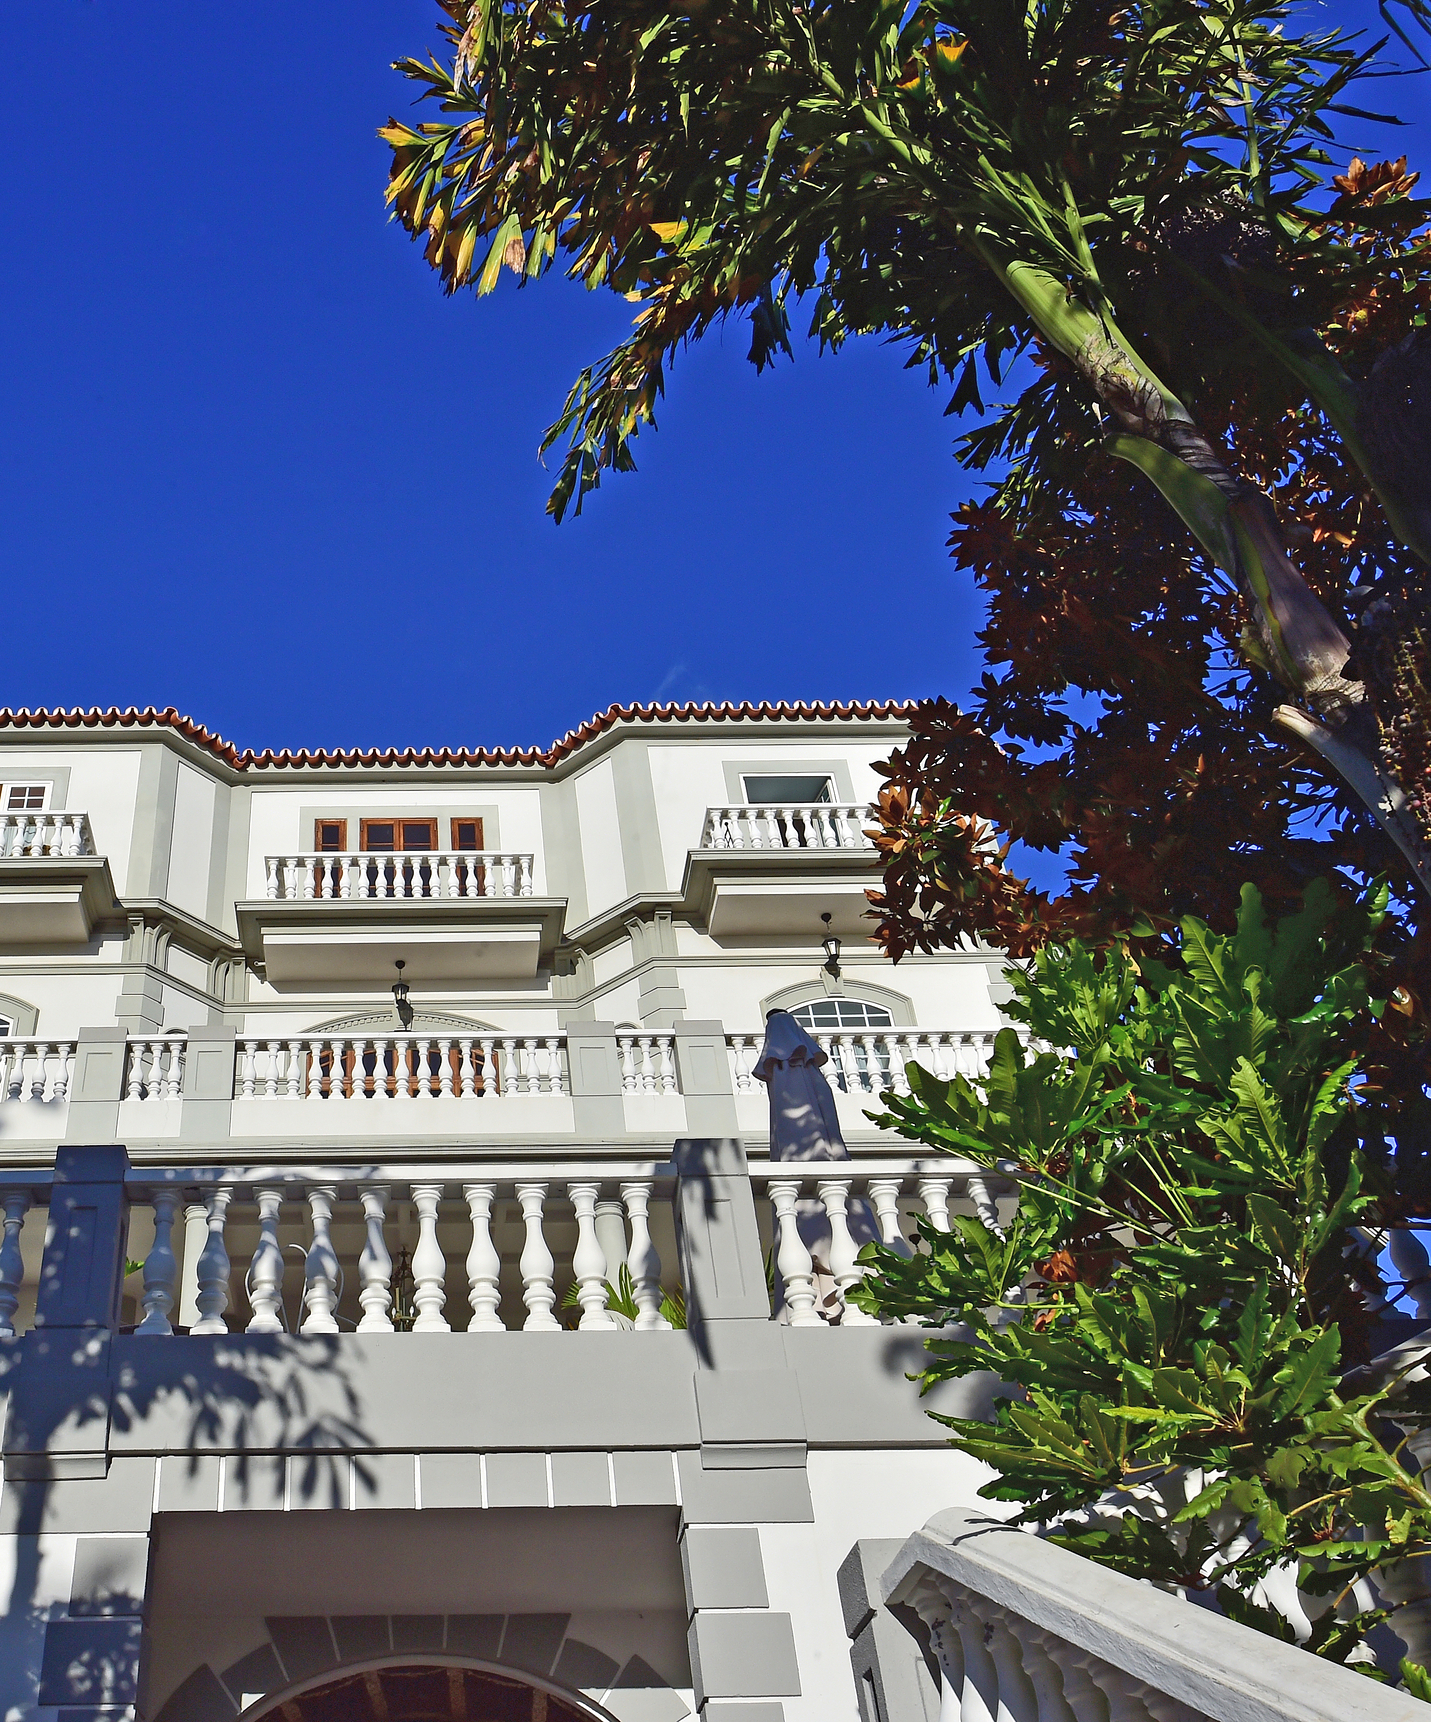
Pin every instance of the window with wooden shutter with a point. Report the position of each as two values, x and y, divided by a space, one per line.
466 834
383 836
330 836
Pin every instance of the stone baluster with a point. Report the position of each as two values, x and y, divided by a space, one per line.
320 1269
429 1265
402 1067
134 1076
1017 1697
938 1045
611 1235
589 1261
161 1269
884 1193
666 1049
444 1070
248 1069
484 1264
270 884
626 1051
978 1192
934 1193
42 1070
1045 1676
874 1075
531 1076
314 1058
424 1071
742 1056
844 1269
642 1259
792 1259
64 1060
466 1074
901 1053
265 1272
489 1078
212 1268
536 1264
380 1069
12 1262
375 1265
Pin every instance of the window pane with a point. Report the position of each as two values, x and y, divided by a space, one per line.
763 791
330 834
6 1026
466 833
27 797
842 1013
380 834
418 834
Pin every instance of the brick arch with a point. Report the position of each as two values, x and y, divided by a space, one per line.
430 1687
307 1652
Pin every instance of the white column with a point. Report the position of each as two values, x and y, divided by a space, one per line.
211 1270
12 1263
429 1265
611 1235
844 1269
642 1259
589 1261
792 1259
375 1265
196 1235
265 1273
484 1265
537 1266
320 1272
160 1268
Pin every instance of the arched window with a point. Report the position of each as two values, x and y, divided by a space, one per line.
858 1064
7 1028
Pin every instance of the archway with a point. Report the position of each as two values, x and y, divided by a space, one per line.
424 1688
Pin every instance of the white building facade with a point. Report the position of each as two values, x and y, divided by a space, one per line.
388 1356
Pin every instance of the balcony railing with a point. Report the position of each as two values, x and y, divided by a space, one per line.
33 1070
802 825
54 835
867 1060
390 875
401 1067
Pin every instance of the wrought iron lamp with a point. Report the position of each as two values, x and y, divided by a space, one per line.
400 989
831 944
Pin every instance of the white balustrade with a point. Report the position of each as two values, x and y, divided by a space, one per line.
647 1061
37 835
12 1263
396 1067
156 1067
32 1070
889 1193
383 876
793 825
872 1060
1024 1631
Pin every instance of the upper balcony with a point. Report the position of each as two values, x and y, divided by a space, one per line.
766 869
54 888
450 915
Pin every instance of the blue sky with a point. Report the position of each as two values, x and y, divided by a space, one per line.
257 467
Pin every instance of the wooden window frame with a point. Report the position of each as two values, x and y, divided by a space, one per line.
477 847
397 821
342 848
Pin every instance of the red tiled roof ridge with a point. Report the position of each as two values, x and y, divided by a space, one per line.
93 717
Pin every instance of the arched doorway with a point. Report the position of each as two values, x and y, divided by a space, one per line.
424 1689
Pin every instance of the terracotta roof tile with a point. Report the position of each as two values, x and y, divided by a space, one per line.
132 718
